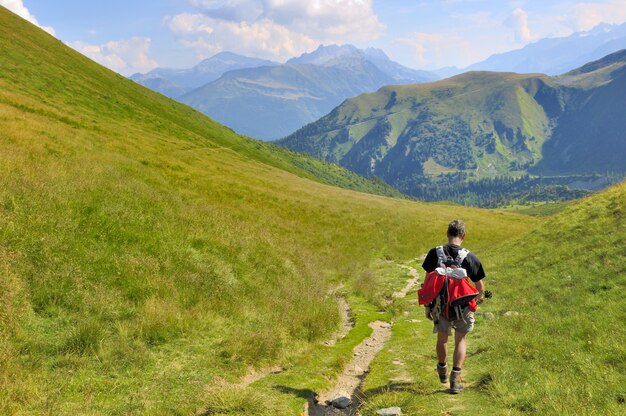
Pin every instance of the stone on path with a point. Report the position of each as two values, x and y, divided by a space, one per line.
357 370
341 401
390 411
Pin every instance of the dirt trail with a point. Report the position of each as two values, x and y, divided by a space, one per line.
346 321
410 284
355 371
256 375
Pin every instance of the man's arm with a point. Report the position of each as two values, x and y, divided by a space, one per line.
480 286
426 307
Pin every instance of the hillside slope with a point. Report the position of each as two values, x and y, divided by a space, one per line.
147 252
473 120
427 137
591 134
564 278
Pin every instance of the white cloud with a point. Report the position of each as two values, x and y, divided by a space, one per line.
586 16
519 20
567 18
276 29
262 38
17 7
125 56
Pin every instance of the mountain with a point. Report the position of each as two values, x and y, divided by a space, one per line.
175 82
555 56
478 125
271 102
160 84
334 55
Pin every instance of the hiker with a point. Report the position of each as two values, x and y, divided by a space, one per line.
459 264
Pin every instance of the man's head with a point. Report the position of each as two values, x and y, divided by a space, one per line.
456 229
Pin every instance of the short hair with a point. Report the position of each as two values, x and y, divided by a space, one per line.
456 228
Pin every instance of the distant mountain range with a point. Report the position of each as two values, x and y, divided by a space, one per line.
555 56
479 125
176 82
267 100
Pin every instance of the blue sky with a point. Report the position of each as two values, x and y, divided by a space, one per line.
136 36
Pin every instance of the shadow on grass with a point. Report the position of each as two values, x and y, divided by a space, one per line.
300 393
476 352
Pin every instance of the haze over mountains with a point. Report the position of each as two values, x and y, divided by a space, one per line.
176 82
554 56
478 125
269 101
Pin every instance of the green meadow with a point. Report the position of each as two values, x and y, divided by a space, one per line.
151 258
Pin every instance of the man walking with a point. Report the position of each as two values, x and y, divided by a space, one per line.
461 318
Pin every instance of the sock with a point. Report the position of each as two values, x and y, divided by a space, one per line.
456 369
441 364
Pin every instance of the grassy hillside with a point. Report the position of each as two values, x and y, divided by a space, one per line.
147 252
564 353
591 135
554 346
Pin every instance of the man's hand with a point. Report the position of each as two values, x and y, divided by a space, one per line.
480 285
427 310
480 298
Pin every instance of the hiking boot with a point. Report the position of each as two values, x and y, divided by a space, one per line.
443 373
455 382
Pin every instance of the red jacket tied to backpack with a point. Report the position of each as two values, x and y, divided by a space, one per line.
449 285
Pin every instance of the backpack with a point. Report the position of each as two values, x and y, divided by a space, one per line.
448 288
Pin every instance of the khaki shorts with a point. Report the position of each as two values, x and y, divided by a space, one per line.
464 325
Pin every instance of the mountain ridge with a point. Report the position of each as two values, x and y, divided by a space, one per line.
175 82
271 102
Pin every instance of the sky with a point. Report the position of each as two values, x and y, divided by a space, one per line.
138 35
